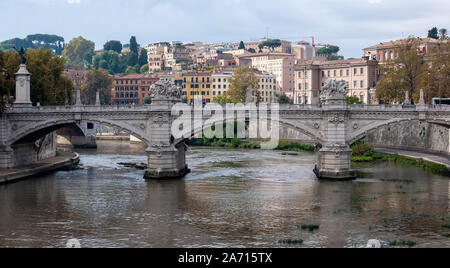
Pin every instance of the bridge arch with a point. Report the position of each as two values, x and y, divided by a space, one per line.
34 132
371 127
315 135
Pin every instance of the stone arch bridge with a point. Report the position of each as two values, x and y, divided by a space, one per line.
335 125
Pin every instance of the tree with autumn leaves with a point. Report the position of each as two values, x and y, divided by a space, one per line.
436 82
408 72
48 86
244 79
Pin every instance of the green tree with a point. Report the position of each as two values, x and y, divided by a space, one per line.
241 45
353 100
144 69
284 99
79 52
404 73
328 50
110 61
113 45
147 100
53 42
271 44
48 86
134 52
244 79
143 57
9 65
433 33
443 34
222 99
97 80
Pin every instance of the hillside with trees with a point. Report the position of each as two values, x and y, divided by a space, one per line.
53 42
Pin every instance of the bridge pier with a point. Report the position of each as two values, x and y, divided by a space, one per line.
334 162
6 157
165 159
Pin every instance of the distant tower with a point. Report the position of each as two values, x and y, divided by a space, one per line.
303 51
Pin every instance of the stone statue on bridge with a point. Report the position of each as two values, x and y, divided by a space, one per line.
166 89
333 89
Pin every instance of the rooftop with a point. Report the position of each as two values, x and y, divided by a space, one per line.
395 43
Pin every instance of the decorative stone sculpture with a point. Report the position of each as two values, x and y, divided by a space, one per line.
333 90
165 89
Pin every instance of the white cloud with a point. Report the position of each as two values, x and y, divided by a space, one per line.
73 1
374 2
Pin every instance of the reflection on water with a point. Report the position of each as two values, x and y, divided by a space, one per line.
232 198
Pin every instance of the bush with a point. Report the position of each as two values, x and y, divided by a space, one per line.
362 149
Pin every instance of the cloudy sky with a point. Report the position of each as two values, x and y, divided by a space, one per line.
351 24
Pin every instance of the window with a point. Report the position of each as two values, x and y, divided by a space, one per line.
341 73
355 71
335 73
362 84
348 72
362 70
354 84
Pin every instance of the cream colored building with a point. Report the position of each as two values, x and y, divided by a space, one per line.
267 85
279 64
311 76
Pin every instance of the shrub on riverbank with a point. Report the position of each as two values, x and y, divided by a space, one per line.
362 152
238 143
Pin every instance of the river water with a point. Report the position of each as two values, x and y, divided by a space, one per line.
232 198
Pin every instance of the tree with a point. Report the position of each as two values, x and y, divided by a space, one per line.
147 100
433 33
131 70
79 52
328 50
436 82
284 99
53 42
403 73
9 65
97 80
222 99
241 45
353 100
134 52
113 45
251 50
48 86
271 44
144 69
110 61
143 58
244 79
443 34
134 47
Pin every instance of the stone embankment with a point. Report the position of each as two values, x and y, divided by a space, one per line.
40 167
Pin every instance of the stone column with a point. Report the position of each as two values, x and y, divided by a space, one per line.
23 78
165 159
78 98
97 98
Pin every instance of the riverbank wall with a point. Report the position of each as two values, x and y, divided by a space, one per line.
40 167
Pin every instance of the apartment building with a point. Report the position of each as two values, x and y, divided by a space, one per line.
132 89
196 84
386 50
164 55
311 76
267 85
279 64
